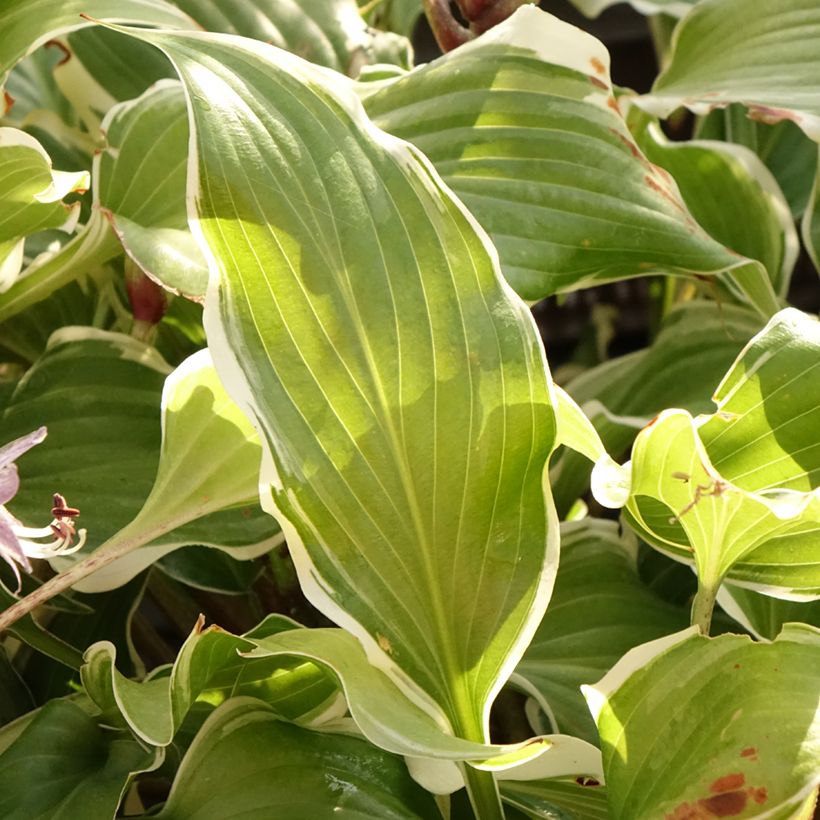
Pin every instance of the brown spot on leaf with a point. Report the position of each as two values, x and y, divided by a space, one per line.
771 116
667 195
759 795
749 752
633 149
597 65
737 666
728 783
384 643
598 83
8 100
200 624
63 48
613 104
727 804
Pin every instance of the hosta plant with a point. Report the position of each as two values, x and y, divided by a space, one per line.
297 521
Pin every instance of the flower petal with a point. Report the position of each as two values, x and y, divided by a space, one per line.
9 453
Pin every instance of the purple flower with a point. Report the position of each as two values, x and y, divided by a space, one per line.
17 542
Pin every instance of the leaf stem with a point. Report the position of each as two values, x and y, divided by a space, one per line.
101 557
483 792
703 606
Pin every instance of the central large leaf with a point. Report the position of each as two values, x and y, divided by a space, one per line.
356 311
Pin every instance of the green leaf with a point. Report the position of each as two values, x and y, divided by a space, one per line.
387 718
404 480
65 765
704 494
598 611
716 742
772 65
207 667
106 462
27 24
32 192
400 16
328 32
108 617
523 125
246 762
556 799
206 486
696 345
98 394
811 224
210 570
763 615
731 193
141 176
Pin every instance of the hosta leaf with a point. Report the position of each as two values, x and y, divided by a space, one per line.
246 762
772 67
31 192
716 742
734 197
763 615
387 718
763 435
211 570
105 462
523 125
409 485
27 24
785 150
328 32
556 800
26 334
683 505
65 765
209 668
100 67
598 611
811 224
141 187
205 488
98 394
108 617
400 16
735 492
696 345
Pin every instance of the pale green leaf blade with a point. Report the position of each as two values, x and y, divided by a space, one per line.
328 32
423 506
524 126
387 718
772 66
575 430
599 610
64 765
400 16
682 504
31 191
764 434
245 762
736 735
27 24
207 669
